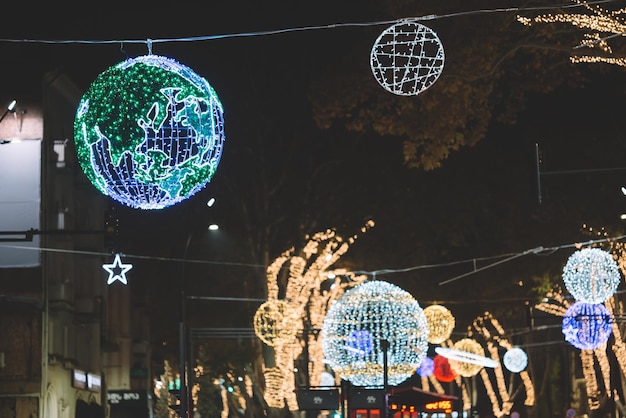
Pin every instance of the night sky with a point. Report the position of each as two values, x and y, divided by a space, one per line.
482 203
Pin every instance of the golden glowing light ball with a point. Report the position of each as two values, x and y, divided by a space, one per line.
271 324
440 323
471 350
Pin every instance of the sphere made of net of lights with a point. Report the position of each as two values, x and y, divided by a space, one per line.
149 132
587 325
591 275
467 369
407 58
386 313
440 323
515 360
426 368
273 322
443 372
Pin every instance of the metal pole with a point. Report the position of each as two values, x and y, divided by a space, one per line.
182 336
384 344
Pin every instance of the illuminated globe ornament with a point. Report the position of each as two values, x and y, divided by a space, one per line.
407 58
149 132
427 367
374 312
467 358
515 360
443 372
440 323
273 324
587 325
591 275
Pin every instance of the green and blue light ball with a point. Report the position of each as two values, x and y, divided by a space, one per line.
149 132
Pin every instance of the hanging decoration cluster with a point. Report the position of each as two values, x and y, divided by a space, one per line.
587 325
356 325
440 323
149 132
443 372
407 58
591 275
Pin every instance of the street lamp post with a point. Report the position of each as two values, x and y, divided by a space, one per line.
182 336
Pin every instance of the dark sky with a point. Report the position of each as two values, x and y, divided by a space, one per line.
482 203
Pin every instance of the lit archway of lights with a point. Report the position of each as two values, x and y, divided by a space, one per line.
307 270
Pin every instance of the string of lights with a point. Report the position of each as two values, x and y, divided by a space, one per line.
149 42
540 250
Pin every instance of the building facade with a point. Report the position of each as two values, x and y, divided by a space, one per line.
67 348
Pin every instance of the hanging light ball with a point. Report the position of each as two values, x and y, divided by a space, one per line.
443 372
359 323
440 323
591 275
467 368
272 322
426 368
587 325
515 360
149 132
407 58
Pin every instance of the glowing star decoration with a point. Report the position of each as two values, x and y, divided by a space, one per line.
386 312
591 275
117 270
587 325
407 58
440 323
515 360
427 367
443 372
149 132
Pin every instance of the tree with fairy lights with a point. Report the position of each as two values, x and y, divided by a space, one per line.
301 286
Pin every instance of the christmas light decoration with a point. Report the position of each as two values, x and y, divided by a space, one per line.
113 268
443 372
386 312
587 325
515 360
426 368
604 25
591 275
466 357
440 323
407 58
309 291
149 132
272 325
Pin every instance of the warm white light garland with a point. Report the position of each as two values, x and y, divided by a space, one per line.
440 323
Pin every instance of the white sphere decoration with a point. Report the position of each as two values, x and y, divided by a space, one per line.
407 58
515 360
385 312
591 275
